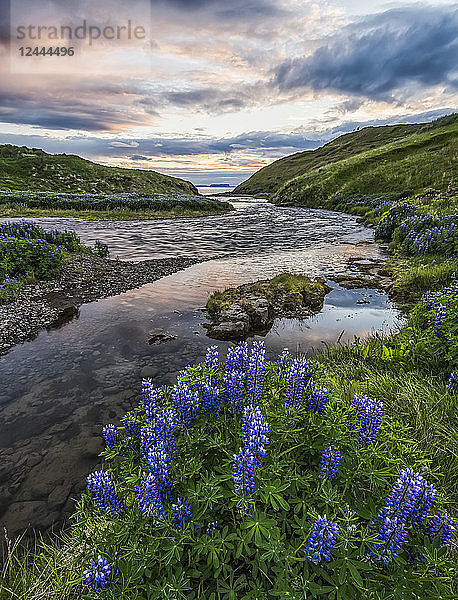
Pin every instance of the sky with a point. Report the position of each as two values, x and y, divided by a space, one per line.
213 90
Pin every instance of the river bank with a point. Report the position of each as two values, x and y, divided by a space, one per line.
84 278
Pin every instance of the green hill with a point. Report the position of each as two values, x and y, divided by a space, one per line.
351 163
23 168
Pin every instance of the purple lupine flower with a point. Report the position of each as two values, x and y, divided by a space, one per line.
392 535
442 526
329 463
238 357
185 405
212 363
256 372
234 390
158 460
110 436
103 493
151 397
209 398
439 320
101 574
147 439
211 528
165 431
297 377
254 432
181 513
131 427
322 540
243 472
149 497
453 381
366 418
318 400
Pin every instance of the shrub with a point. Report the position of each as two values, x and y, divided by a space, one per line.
29 256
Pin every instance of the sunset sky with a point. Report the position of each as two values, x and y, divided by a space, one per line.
216 89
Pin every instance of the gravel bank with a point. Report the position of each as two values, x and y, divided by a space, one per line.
85 278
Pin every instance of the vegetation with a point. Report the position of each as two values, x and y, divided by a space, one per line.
120 207
28 252
403 159
23 168
288 292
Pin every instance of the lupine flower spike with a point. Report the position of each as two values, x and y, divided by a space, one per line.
322 540
329 464
101 574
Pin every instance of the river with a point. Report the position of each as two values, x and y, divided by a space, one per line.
62 387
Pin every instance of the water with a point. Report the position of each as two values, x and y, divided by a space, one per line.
61 388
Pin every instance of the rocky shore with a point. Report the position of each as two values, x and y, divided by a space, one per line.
85 278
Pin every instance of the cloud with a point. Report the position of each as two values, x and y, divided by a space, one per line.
237 10
400 50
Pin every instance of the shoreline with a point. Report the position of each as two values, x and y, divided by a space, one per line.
44 305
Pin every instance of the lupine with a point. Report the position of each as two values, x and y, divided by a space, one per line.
165 431
243 472
131 427
103 493
318 400
110 436
238 357
297 377
209 397
329 463
442 526
149 497
158 460
234 390
147 439
284 362
322 540
185 405
101 574
254 432
392 535
211 528
439 320
151 397
366 418
181 513
453 381
212 363
256 372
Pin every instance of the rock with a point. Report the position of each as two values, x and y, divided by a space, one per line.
149 372
161 338
227 331
59 495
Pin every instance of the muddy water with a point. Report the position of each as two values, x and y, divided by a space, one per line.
60 389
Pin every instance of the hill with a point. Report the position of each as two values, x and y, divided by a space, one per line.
367 141
23 168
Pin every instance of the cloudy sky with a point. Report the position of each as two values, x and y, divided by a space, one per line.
212 90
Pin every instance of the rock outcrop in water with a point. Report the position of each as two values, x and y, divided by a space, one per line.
252 308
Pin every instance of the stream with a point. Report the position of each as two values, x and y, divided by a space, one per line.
61 388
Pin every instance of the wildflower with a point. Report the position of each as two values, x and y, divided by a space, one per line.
158 460
209 398
234 388
185 404
243 472
211 528
392 535
131 426
453 381
147 438
212 363
318 400
255 372
297 377
442 526
439 320
366 419
150 396
237 357
149 497
102 490
329 464
322 540
110 436
101 574
254 432
181 513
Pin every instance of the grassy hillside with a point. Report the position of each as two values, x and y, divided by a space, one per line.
272 178
23 168
411 165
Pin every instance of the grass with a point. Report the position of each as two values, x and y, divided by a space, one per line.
118 215
23 168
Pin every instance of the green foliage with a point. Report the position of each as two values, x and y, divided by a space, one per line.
23 168
262 555
29 257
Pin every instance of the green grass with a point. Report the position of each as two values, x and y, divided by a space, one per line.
368 147
118 215
23 168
